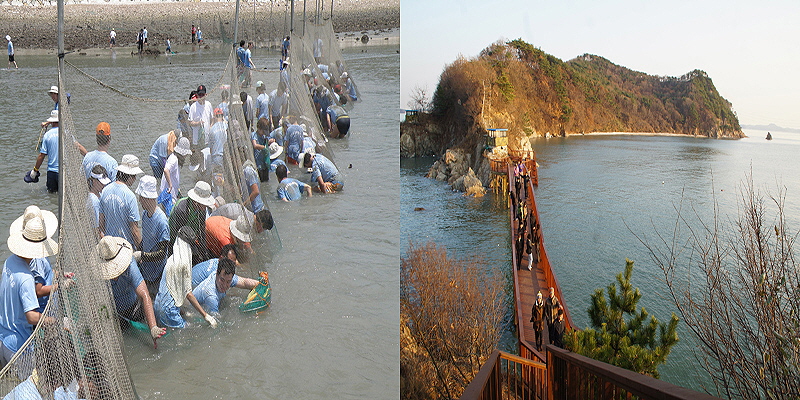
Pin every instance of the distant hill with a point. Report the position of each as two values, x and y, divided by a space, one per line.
517 86
771 127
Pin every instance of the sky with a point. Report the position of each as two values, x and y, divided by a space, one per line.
750 49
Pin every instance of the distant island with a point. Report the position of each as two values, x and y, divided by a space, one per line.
771 127
516 86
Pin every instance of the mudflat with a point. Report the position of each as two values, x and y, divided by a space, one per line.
88 25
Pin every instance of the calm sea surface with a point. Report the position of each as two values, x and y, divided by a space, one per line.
591 189
332 329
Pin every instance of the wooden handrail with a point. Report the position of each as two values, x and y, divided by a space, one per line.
571 370
517 374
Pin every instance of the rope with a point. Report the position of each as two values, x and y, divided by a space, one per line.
121 93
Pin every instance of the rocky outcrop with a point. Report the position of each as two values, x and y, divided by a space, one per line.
418 138
454 168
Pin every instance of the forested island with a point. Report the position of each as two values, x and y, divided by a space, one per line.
516 86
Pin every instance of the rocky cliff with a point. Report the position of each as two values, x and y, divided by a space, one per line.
516 86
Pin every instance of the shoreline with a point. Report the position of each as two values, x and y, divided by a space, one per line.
348 40
645 134
87 26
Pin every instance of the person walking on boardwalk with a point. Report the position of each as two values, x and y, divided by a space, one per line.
551 306
537 317
11 53
559 328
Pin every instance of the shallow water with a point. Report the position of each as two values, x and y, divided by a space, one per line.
331 331
591 189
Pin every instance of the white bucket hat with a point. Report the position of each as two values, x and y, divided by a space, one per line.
50 220
130 165
115 255
182 147
241 228
53 116
53 89
201 193
8 37
275 150
148 188
32 240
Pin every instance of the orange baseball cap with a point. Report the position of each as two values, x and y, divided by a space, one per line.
103 129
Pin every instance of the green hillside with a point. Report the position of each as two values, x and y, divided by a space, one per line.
517 86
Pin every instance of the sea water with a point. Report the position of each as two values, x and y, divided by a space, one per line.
595 194
332 328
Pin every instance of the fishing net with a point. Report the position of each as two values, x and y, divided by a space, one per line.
80 338
328 61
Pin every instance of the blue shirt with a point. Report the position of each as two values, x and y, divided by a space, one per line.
325 168
240 53
308 144
294 141
10 48
94 207
154 231
42 273
95 157
277 134
291 189
50 147
119 208
17 296
217 139
203 270
159 149
259 154
262 103
335 112
167 313
251 177
207 294
351 89
124 287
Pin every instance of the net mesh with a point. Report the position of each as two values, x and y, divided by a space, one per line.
80 338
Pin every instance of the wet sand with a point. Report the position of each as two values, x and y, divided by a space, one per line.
88 25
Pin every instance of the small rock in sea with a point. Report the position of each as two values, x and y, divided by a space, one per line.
351 166
419 208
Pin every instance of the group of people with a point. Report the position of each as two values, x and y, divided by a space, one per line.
528 232
141 40
551 313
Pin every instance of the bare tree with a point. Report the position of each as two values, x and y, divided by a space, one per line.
450 321
740 295
420 99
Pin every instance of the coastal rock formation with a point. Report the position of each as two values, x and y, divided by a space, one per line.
515 86
454 168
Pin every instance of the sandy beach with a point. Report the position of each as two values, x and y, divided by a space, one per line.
88 25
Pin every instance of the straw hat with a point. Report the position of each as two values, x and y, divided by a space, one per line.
201 193
182 147
241 228
148 188
130 165
50 220
275 150
32 240
53 116
115 255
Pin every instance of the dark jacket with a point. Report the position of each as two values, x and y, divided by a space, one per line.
550 309
537 315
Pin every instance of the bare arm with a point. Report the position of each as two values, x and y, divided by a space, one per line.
246 283
254 192
43 290
39 160
147 304
80 148
33 317
193 301
308 190
136 232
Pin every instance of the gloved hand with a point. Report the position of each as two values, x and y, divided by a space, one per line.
211 320
137 255
32 176
157 332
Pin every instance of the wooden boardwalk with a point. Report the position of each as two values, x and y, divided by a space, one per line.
527 282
